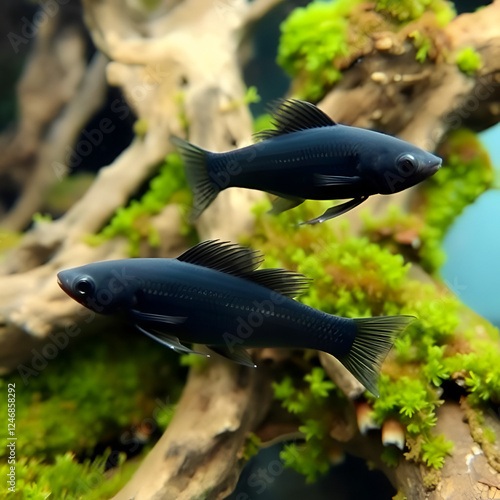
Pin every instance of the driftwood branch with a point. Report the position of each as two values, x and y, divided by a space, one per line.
152 60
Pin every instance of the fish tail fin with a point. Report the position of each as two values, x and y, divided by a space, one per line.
373 341
197 175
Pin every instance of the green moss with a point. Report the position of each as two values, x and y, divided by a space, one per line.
133 221
435 450
390 456
466 173
355 277
312 37
422 43
86 395
322 39
468 61
409 10
40 218
66 478
252 446
311 402
482 369
262 122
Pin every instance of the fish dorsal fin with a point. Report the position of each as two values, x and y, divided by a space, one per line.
224 257
292 115
281 281
243 262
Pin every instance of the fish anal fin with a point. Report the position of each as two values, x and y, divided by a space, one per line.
282 281
170 341
281 204
237 354
336 180
292 115
337 210
223 256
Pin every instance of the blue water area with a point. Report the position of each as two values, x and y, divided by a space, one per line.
472 246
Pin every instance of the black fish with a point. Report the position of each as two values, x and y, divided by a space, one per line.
308 156
214 294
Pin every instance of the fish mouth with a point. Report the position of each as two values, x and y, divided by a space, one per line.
63 282
435 164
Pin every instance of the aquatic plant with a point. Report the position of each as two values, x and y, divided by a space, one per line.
468 61
467 172
411 10
322 39
67 478
310 403
353 277
76 404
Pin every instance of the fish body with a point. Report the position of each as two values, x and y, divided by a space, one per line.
214 295
308 156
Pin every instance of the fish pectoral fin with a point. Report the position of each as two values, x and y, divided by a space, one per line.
325 180
282 204
337 210
237 354
170 341
157 318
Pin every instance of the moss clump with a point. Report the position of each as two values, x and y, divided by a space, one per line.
423 44
66 478
92 395
468 61
410 10
133 221
467 172
322 39
313 37
312 405
354 277
86 395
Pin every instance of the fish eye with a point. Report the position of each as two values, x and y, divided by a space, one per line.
84 286
406 164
